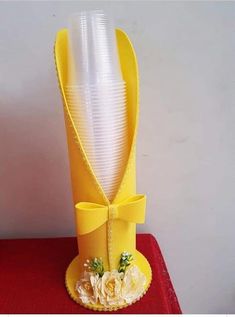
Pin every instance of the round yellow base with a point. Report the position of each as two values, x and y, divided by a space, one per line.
72 276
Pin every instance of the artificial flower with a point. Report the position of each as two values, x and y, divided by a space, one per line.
109 288
85 287
133 284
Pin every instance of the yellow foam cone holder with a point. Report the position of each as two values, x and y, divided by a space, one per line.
104 229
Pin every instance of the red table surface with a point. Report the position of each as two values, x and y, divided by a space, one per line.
32 278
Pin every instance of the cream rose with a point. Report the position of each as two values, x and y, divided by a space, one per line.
108 289
85 287
113 288
132 284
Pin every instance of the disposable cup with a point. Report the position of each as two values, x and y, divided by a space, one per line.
91 91
96 103
100 116
111 108
106 161
96 96
101 97
93 44
100 145
100 85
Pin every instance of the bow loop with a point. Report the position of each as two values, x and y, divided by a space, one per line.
91 216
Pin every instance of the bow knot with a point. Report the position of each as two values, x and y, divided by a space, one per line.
113 211
91 216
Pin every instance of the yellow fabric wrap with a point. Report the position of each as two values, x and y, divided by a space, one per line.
100 234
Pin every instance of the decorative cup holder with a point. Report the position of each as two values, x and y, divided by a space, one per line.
109 273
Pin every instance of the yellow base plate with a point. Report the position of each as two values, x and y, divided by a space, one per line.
72 276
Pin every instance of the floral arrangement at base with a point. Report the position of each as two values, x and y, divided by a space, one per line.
115 288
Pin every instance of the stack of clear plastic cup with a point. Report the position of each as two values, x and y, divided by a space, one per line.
96 96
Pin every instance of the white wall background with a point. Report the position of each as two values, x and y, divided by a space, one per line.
186 136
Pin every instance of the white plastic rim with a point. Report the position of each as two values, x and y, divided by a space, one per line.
102 87
101 159
114 93
98 106
112 113
105 159
109 84
102 140
92 87
106 122
111 181
95 88
101 93
111 143
90 92
100 146
112 174
108 90
102 100
109 147
106 125
99 119
114 171
106 178
115 178
115 138
99 116
109 166
108 163
102 96
103 137
105 134
109 189
108 186
112 108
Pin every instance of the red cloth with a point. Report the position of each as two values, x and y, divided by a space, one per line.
32 278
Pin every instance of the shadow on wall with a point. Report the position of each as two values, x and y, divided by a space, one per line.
35 196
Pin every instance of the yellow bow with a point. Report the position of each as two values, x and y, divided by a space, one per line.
91 216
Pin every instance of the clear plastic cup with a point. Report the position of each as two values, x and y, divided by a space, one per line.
96 96
94 48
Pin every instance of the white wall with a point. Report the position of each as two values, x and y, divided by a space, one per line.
186 136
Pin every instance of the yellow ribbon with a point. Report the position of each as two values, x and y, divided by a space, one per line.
91 216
